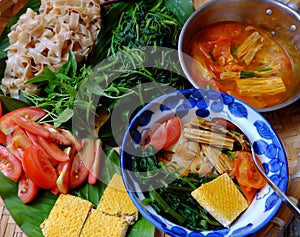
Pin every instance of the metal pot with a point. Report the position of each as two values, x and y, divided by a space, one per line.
279 18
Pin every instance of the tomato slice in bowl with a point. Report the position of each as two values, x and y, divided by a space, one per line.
10 166
173 129
246 172
7 125
166 134
27 190
38 168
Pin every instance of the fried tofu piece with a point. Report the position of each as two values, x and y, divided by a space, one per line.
116 202
222 199
67 217
99 224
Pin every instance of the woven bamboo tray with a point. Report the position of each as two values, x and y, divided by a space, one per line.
286 123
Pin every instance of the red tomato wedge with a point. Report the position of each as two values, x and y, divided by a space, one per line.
166 134
63 180
3 139
246 172
31 126
52 149
159 137
56 136
226 124
38 168
94 172
7 125
34 139
10 166
20 139
249 193
27 190
82 163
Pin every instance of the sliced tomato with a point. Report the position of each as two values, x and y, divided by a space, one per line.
82 163
56 136
3 138
246 172
38 168
27 190
225 123
52 149
7 125
10 166
20 139
34 139
173 128
76 144
94 172
31 126
249 193
166 134
159 137
64 169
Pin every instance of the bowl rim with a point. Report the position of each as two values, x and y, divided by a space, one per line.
141 208
183 55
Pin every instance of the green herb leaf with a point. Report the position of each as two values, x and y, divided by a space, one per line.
182 9
65 116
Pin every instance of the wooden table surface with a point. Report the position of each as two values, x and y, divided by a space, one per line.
286 123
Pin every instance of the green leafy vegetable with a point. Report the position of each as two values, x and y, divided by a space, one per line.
172 199
141 27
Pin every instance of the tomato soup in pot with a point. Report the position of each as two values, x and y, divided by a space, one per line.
242 60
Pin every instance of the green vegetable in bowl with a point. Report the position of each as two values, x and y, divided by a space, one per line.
173 199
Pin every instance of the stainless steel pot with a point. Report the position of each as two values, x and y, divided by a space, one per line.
280 18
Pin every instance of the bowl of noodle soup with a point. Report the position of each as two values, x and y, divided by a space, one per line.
146 172
248 49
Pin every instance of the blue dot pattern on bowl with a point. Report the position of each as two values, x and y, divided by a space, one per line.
210 104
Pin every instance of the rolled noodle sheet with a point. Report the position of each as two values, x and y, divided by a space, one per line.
44 39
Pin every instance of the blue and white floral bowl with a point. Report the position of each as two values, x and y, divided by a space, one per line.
210 104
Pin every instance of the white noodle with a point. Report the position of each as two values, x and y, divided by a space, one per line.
44 39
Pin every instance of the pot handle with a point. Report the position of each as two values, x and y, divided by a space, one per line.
293 4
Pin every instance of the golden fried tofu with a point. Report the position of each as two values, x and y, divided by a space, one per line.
99 224
116 202
67 217
222 199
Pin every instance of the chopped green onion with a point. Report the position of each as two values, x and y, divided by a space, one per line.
212 57
235 48
265 69
246 74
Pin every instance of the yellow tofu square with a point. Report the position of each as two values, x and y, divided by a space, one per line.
67 217
222 199
115 201
99 224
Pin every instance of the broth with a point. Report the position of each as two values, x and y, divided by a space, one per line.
242 60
